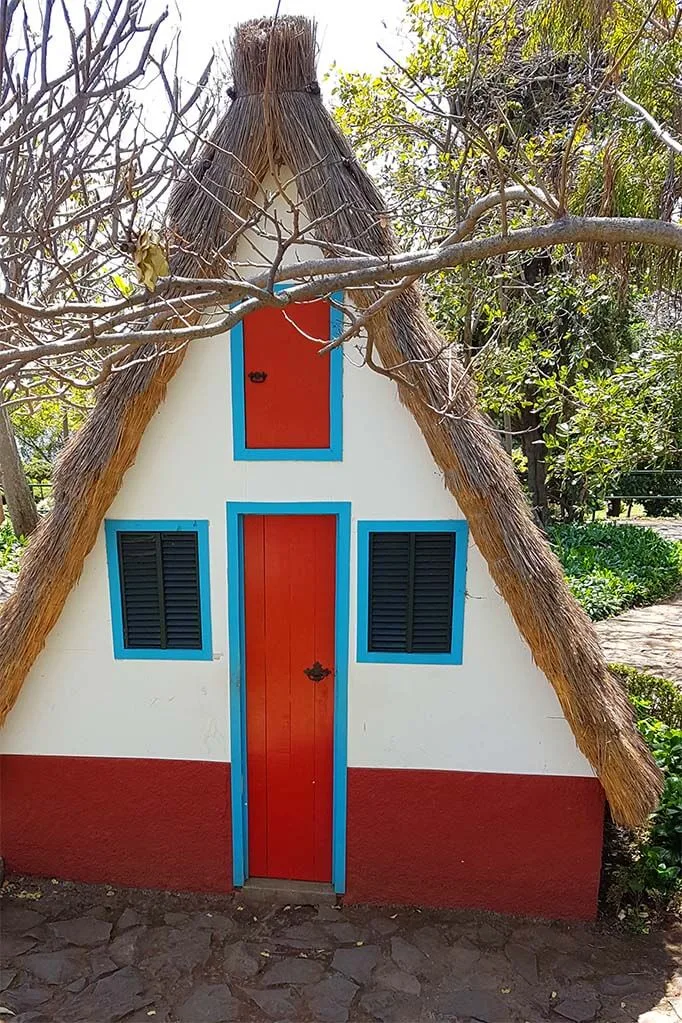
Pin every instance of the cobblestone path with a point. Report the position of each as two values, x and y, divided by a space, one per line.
92 954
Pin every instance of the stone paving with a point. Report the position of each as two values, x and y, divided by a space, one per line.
648 637
8 581
94 954
671 528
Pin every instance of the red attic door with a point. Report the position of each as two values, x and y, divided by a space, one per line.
290 407
289 586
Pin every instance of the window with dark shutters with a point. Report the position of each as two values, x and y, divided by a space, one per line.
160 598
411 590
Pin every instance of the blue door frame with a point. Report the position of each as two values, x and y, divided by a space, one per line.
235 604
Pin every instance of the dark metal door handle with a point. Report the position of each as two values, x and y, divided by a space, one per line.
257 376
317 672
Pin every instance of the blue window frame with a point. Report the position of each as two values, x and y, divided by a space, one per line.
334 453
453 655
113 528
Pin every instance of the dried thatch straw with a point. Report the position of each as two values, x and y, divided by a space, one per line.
206 208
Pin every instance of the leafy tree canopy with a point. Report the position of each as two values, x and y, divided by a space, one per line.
575 353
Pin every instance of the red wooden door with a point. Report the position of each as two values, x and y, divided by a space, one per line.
290 407
289 587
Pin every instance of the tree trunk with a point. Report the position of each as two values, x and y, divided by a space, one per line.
507 439
537 481
20 503
534 450
507 442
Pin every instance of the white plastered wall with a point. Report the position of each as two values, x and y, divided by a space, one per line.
495 712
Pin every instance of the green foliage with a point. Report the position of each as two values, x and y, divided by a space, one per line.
488 92
643 869
572 361
612 567
11 547
516 78
646 485
43 423
662 853
651 695
620 168
662 507
603 593
38 470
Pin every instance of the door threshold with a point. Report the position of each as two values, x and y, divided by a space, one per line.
282 892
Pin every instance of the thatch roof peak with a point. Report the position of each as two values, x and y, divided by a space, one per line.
278 54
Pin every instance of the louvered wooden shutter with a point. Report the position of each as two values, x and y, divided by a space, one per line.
160 601
140 590
389 585
180 559
411 577
434 566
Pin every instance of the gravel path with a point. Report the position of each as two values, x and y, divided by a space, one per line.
93 954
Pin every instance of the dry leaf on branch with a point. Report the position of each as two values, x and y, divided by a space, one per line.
150 259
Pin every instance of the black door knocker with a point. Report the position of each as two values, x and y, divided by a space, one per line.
257 376
317 672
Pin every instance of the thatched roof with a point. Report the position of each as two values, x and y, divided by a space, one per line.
476 469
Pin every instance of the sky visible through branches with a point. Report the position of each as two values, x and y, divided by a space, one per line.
348 32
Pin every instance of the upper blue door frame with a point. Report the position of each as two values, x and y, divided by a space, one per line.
235 608
334 453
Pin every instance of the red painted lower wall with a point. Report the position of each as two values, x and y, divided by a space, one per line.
528 844
143 823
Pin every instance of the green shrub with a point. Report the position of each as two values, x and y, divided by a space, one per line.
643 868
651 695
612 567
662 850
603 594
648 486
658 507
11 547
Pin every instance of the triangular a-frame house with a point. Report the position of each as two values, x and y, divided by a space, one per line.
287 619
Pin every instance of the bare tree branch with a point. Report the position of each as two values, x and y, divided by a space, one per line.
318 278
659 131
